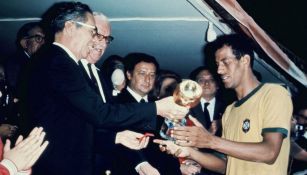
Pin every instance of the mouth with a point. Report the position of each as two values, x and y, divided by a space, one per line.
225 78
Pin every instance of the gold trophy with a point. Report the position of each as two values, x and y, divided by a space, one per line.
187 94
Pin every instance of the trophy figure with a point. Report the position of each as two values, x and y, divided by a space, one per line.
188 94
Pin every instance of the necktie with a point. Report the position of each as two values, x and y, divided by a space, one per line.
93 78
142 101
207 115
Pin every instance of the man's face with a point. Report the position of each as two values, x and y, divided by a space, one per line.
208 84
98 46
302 117
229 68
142 78
82 36
34 40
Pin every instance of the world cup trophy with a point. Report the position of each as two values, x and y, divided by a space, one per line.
187 94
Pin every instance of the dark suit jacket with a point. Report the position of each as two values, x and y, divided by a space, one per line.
61 101
129 159
198 113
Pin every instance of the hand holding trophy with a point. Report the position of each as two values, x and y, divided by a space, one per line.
187 94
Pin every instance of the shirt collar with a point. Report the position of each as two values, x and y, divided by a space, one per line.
137 96
71 55
212 101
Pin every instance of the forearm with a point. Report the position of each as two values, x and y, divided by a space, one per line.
265 151
208 161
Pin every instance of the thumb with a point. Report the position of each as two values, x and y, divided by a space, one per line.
195 121
7 145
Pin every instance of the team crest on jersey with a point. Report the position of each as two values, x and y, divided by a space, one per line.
246 125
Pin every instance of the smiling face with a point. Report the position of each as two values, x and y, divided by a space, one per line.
99 46
142 78
229 68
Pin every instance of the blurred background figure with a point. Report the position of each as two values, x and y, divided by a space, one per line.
30 38
211 107
113 70
298 163
7 123
165 84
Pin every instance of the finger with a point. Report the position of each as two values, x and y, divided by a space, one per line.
142 143
162 148
195 121
19 139
184 143
7 145
146 142
36 131
158 141
37 154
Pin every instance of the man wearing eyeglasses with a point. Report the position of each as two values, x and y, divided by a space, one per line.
61 100
30 38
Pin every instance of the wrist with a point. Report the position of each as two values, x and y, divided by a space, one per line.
9 165
118 138
158 107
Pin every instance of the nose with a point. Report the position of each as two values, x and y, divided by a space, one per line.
220 69
147 78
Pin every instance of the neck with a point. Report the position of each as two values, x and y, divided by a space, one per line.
208 98
247 85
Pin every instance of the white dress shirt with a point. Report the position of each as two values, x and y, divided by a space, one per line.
95 72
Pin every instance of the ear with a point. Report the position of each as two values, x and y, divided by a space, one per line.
23 43
128 75
68 28
245 60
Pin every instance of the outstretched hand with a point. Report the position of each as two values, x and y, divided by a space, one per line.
132 140
166 107
27 151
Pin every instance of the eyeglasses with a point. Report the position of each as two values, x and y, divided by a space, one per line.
204 81
94 28
101 37
37 38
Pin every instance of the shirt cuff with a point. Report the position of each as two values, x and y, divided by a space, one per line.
137 168
11 167
25 172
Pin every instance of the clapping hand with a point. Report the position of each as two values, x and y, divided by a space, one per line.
27 151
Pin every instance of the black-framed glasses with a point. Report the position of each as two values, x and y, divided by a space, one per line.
37 38
94 28
204 81
101 37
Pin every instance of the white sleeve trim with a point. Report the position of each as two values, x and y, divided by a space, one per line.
11 167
